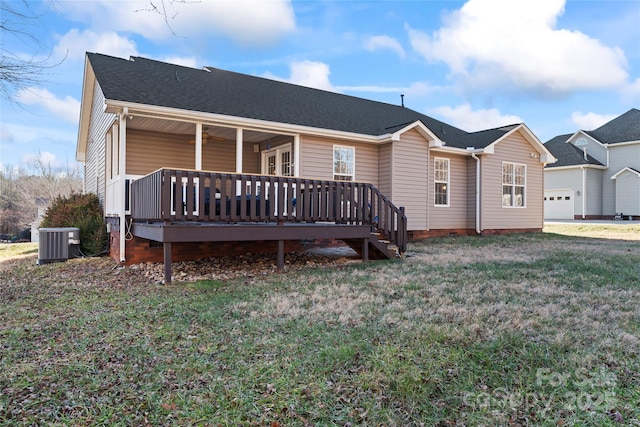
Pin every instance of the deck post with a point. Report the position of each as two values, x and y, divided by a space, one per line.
167 262
365 250
280 256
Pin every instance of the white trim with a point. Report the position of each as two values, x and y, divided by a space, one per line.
512 204
559 168
277 150
545 154
624 170
246 123
422 129
621 144
296 155
198 146
88 85
447 182
579 134
122 158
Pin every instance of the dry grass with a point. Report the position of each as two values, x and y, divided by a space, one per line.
525 284
540 329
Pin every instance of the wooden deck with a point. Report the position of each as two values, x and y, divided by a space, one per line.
172 206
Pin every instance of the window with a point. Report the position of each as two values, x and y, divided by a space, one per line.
513 184
441 181
343 163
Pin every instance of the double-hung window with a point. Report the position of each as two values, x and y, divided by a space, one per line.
513 184
344 163
441 181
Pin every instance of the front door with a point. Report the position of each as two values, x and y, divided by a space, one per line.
277 161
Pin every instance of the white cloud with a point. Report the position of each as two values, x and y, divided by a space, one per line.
470 120
590 121
5 134
247 22
182 60
509 44
307 73
67 109
75 43
384 42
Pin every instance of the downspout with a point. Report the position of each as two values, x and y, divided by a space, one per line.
584 191
477 159
122 160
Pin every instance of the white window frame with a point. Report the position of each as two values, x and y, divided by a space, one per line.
352 174
511 178
438 180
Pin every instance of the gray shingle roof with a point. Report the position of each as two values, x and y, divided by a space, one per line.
211 90
567 154
623 128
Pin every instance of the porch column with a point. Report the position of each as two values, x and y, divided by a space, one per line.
122 166
198 146
238 156
239 150
296 155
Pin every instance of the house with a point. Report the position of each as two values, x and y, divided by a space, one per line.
597 175
197 162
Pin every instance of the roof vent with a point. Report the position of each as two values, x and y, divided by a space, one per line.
402 100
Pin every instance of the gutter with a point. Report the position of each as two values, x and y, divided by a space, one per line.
584 191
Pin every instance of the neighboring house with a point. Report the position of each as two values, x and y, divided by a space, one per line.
35 225
322 161
597 175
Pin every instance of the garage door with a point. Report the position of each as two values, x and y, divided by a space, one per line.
558 204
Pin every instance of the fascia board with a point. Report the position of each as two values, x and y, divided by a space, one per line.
545 154
88 83
624 170
586 135
455 150
241 122
422 129
557 168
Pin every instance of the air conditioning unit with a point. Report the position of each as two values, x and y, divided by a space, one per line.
58 244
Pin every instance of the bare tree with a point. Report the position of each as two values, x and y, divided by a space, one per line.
23 192
18 20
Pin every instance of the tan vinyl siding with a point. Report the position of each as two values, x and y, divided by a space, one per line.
95 167
384 170
410 180
219 156
454 215
250 160
316 158
148 151
514 149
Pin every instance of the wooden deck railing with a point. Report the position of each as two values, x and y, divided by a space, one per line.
174 195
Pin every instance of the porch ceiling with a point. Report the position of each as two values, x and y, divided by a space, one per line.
185 128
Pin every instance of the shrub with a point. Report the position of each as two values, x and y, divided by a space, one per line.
84 212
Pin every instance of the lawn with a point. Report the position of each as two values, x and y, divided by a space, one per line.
539 329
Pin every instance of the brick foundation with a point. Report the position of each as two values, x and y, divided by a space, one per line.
140 250
426 234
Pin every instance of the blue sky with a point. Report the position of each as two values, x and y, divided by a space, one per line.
556 66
